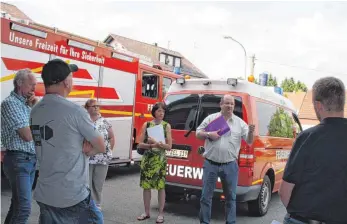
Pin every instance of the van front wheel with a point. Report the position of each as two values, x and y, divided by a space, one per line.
260 206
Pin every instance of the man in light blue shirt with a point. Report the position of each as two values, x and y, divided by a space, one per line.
20 159
221 159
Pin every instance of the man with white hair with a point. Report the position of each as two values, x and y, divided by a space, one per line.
314 187
20 158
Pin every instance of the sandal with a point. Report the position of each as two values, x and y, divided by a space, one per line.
160 219
143 217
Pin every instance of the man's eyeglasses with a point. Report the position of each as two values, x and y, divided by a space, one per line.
95 106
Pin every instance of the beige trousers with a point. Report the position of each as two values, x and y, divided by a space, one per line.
97 176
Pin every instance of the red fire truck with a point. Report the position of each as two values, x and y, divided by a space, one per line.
125 88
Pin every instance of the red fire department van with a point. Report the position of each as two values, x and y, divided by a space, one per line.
261 164
125 87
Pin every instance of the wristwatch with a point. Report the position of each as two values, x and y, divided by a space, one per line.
208 135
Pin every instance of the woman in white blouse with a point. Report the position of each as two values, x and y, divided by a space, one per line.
98 164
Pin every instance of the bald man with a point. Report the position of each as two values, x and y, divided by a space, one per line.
221 154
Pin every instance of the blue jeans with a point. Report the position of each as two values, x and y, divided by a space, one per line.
228 174
85 212
19 168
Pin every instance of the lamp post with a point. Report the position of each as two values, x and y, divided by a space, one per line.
229 37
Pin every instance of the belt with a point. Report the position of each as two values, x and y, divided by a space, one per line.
218 164
19 152
306 220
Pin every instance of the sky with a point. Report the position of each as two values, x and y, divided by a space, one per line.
303 40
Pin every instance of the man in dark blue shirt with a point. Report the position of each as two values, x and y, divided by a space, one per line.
314 187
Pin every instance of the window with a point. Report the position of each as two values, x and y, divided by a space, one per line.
170 60
166 84
275 121
177 62
210 103
181 110
149 85
162 58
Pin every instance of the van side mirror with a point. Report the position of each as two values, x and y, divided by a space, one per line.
294 131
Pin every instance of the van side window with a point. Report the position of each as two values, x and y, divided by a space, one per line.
166 84
274 121
149 85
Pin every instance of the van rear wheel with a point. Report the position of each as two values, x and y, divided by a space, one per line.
260 206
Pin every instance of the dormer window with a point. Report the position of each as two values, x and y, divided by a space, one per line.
170 60
178 62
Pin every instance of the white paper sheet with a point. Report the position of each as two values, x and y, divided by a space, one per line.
157 133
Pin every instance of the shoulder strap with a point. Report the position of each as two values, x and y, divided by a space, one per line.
148 123
164 126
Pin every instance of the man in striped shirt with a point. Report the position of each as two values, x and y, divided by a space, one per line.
20 159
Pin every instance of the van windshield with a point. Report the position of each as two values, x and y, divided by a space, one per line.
187 111
181 110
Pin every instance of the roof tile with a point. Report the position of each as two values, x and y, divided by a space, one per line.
297 98
307 109
152 51
14 11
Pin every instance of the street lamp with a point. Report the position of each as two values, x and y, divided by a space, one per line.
229 37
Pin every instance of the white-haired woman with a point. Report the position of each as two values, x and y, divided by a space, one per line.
98 164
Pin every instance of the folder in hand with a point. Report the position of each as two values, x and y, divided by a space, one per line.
218 124
157 133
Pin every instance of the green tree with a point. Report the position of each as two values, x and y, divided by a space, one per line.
272 81
281 124
300 87
289 85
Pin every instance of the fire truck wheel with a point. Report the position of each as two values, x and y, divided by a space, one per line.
260 206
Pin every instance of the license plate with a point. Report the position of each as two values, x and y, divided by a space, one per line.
177 153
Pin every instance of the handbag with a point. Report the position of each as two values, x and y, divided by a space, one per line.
139 150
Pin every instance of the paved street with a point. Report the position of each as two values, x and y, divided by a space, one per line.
123 203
